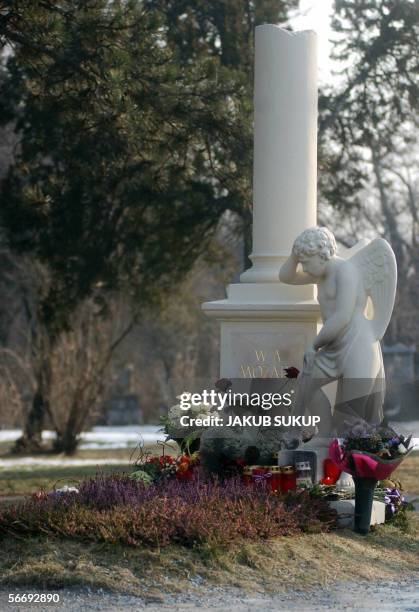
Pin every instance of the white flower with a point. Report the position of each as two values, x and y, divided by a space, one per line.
202 416
174 414
201 409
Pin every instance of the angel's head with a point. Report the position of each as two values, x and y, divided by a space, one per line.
313 249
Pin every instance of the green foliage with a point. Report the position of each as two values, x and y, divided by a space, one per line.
113 185
376 47
134 121
142 476
218 28
198 29
402 518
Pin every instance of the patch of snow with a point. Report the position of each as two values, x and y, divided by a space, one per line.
30 463
99 438
127 436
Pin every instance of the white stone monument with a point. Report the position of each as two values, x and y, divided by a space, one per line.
356 294
267 325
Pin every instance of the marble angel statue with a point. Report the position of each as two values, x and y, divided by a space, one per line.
356 295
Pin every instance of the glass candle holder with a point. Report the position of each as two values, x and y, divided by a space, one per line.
288 479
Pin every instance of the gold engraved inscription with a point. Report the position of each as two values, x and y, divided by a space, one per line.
267 365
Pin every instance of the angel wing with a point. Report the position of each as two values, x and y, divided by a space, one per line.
377 264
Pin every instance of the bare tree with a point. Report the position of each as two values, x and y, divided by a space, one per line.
390 207
81 361
62 378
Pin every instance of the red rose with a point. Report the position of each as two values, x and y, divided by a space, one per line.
291 372
182 467
184 459
166 460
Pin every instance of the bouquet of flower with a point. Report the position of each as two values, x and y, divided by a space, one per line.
370 453
186 436
382 440
155 468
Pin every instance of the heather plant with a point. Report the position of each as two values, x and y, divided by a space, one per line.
199 512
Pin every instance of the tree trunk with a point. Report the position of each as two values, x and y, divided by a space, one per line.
31 440
247 245
67 442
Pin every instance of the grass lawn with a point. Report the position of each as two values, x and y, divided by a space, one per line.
299 562
408 474
25 481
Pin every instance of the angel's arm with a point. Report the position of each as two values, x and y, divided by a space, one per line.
290 275
346 292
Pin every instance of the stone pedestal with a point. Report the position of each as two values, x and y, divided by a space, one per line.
266 325
346 510
260 340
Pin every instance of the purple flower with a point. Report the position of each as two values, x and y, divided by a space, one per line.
360 430
394 500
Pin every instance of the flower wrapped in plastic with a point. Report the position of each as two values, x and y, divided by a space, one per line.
363 464
187 436
369 453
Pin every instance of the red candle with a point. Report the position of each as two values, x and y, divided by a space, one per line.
247 476
331 472
288 479
275 480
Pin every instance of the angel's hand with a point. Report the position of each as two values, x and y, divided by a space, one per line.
291 275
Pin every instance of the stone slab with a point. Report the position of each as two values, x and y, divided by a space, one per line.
346 510
262 349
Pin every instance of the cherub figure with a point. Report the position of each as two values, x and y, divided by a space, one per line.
347 348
